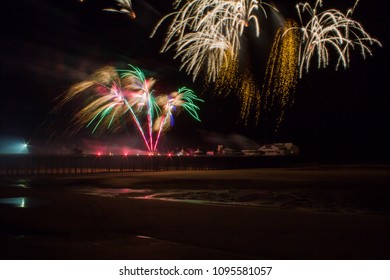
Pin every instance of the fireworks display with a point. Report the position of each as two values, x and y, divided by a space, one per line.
116 97
206 37
330 29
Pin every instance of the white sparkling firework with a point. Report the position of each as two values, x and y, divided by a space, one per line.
330 29
203 31
203 49
124 7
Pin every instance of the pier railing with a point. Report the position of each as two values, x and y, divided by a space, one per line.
84 164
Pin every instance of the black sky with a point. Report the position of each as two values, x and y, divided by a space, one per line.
46 46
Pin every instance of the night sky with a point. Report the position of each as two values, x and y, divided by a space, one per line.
47 46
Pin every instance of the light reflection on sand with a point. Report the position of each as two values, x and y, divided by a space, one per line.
22 202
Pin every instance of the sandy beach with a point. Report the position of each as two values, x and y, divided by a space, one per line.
306 212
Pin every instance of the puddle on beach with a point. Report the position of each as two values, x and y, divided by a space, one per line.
22 202
21 185
114 192
144 237
227 197
245 197
15 183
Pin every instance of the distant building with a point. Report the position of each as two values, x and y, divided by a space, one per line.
279 149
198 152
252 152
219 149
271 150
274 149
182 153
226 151
289 148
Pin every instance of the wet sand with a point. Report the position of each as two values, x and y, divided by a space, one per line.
308 212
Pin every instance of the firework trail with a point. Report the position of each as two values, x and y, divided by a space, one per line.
208 30
124 7
330 28
111 95
282 69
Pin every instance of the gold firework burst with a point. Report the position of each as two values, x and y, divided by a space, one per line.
227 76
250 96
282 70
